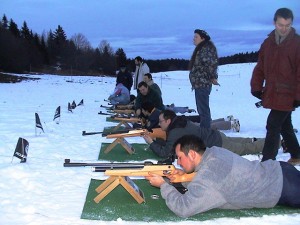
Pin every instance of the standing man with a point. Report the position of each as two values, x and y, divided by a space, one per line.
276 81
140 70
203 73
125 76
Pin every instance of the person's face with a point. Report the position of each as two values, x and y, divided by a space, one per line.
185 161
197 39
146 79
143 90
137 63
164 124
283 26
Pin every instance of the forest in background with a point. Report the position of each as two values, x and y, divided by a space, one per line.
23 51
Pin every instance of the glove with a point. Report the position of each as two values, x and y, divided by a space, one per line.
257 94
296 103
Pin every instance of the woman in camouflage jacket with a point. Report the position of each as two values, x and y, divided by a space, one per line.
203 73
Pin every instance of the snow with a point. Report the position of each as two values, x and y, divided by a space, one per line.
42 191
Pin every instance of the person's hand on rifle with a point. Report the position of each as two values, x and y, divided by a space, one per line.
138 112
176 175
148 139
215 82
155 180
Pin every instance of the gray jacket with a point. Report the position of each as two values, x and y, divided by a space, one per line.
227 181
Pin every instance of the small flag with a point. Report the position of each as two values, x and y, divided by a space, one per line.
22 149
73 105
69 107
80 103
38 123
57 115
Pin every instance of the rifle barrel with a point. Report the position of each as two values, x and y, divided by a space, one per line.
106 166
112 167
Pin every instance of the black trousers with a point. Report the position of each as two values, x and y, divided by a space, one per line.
290 195
280 122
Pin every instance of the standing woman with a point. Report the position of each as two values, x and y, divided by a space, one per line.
203 73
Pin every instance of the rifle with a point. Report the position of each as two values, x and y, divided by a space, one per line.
122 111
68 163
104 134
126 119
154 133
119 106
141 170
161 169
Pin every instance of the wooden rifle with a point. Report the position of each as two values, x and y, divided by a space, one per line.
104 134
154 133
141 170
122 111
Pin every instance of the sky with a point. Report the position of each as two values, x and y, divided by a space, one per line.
43 192
155 29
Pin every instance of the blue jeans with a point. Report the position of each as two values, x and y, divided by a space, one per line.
280 122
290 195
202 103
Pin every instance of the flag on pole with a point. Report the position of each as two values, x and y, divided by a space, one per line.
57 115
80 103
73 105
38 123
69 107
21 150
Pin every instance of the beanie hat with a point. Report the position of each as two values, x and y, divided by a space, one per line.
203 34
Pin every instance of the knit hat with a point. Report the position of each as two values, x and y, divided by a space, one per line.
203 34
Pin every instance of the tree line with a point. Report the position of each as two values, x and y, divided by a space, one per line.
23 51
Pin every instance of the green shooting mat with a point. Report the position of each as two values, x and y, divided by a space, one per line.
120 204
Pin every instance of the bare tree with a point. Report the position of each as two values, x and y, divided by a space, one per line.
81 42
105 48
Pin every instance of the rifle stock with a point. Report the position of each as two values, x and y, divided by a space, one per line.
123 111
128 106
155 133
161 170
127 119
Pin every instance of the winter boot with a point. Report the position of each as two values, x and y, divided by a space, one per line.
235 125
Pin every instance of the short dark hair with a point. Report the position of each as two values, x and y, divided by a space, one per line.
188 142
142 83
139 58
284 13
168 114
148 75
148 106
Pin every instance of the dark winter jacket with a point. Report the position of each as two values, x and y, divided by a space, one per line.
125 78
205 66
277 73
152 96
179 127
153 119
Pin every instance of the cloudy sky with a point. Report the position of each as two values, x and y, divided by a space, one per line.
154 29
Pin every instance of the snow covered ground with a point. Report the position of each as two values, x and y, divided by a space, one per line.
42 191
